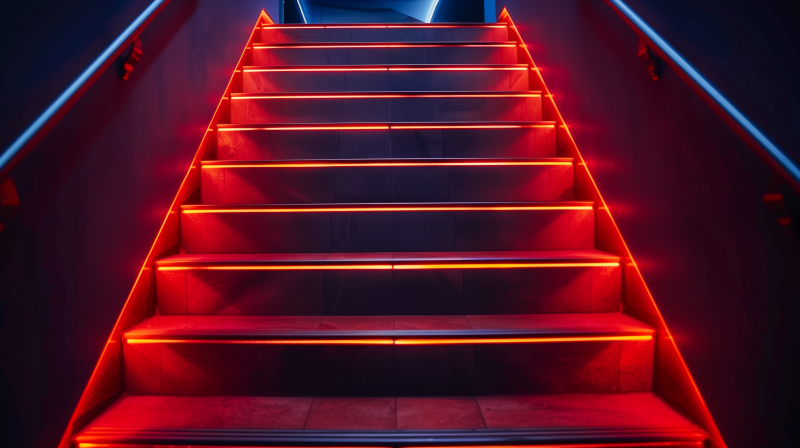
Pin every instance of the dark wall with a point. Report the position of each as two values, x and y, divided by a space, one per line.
685 191
96 190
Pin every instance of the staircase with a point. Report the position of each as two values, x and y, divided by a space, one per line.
386 250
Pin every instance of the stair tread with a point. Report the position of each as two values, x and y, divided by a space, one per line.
450 326
585 255
641 416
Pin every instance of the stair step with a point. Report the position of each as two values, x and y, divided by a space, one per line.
386 140
384 33
386 180
389 283
386 227
251 355
255 108
346 53
370 78
579 420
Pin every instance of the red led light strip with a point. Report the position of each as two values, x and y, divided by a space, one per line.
382 95
389 209
305 27
391 266
383 164
372 45
385 69
388 127
441 341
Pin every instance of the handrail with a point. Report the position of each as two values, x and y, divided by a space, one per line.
42 125
727 111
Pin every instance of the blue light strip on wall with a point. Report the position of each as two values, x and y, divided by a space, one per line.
302 11
434 4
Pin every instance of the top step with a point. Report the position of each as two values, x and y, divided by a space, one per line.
398 32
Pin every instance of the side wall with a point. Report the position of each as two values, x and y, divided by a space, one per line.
95 192
685 191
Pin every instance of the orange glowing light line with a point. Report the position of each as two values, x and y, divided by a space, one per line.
384 164
441 341
389 209
505 265
332 69
369 45
277 268
392 266
381 95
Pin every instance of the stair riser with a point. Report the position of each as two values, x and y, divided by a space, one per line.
387 231
390 292
367 56
385 35
385 81
297 370
387 184
390 143
395 110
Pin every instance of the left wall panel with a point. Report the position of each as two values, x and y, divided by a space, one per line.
94 194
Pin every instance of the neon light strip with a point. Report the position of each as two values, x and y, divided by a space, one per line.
382 164
302 11
290 27
390 266
434 4
387 127
385 69
381 95
373 45
473 126
592 445
390 209
449 341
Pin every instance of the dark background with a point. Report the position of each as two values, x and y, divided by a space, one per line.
683 188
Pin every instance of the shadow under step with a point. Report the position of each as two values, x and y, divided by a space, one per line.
395 32
385 227
386 140
370 78
579 420
386 180
346 53
370 356
390 107
389 283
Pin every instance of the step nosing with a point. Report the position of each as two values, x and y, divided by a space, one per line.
500 436
334 207
383 67
385 162
474 259
391 94
385 126
387 44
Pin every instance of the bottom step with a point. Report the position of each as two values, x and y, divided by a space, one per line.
606 420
